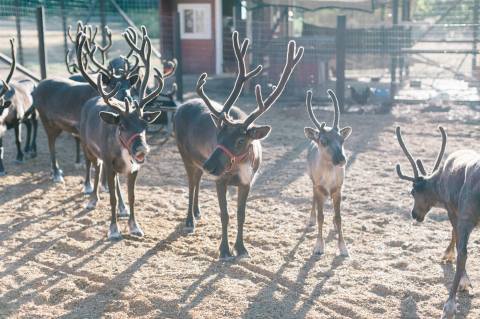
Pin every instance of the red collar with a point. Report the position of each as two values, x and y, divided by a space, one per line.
127 143
234 159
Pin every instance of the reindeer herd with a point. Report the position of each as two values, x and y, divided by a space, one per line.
104 105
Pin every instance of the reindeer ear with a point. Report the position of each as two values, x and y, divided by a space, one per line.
345 132
109 117
216 121
259 132
133 79
311 133
150 117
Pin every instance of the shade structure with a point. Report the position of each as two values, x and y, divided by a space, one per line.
312 5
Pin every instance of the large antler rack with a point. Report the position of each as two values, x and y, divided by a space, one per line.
5 87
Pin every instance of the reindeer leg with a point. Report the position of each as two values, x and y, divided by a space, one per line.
449 255
135 230
18 142
33 146
190 223
243 191
114 232
2 169
122 209
94 195
337 219
225 253
464 228
313 215
87 185
196 209
28 125
78 161
104 187
52 135
320 243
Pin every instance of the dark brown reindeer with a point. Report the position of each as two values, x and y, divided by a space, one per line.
113 132
455 186
59 102
16 109
326 167
223 141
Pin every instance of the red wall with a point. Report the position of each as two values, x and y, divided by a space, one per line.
199 55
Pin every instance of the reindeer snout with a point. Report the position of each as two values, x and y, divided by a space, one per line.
140 152
417 217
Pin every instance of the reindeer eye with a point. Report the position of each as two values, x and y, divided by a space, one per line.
240 142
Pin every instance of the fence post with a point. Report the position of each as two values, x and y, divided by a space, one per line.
64 25
475 34
19 31
103 22
393 49
178 55
340 53
42 55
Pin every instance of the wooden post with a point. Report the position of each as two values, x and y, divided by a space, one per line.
103 22
178 56
19 31
340 53
237 15
42 55
64 25
475 34
393 65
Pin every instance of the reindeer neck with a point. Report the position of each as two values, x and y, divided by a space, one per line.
435 189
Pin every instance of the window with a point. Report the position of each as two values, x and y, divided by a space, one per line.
195 21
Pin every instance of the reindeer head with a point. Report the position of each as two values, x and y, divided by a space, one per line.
329 140
130 118
5 90
422 188
234 137
112 76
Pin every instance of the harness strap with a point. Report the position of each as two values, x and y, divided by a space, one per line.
234 159
129 141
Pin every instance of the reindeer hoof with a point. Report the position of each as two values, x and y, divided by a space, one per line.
343 250
19 161
87 189
135 230
91 205
123 213
449 309
190 226
449 257
465 283
311 222
114 233
104 189
58 179
3 173
319 247
226 255
197 215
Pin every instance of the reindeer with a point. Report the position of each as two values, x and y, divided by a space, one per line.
16 108
454 187
326 167
223 141
59 102
116 140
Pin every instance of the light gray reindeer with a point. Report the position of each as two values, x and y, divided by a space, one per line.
59 102
16 109
223 141
455 187
326 168
116 140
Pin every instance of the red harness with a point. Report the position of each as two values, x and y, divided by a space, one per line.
234 159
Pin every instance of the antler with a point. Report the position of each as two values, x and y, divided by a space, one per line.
336 116
242 77
104 49
312 116
5 87
293 57
439 156
80 46
107 97
409 157
145 53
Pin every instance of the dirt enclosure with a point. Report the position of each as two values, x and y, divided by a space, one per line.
55 259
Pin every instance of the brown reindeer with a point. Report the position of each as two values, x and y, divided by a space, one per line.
223 141
113 133
59 102
16 109
455 186
326 167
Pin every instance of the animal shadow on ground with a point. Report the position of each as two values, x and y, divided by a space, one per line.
464 299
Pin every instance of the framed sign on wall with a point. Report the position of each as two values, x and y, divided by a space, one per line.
195 20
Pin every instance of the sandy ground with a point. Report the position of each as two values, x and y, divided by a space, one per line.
55 259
